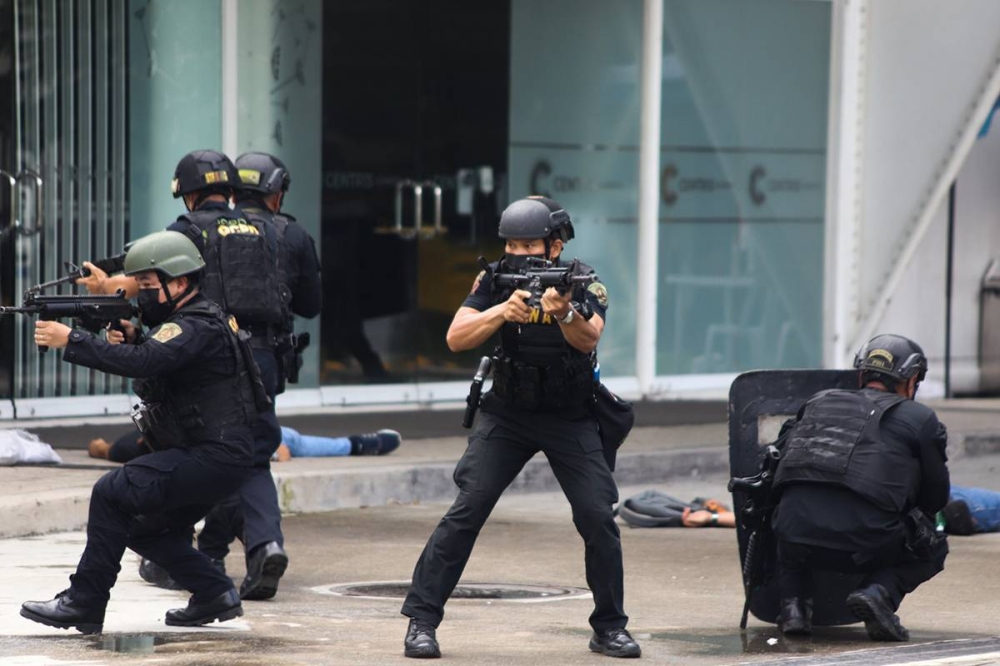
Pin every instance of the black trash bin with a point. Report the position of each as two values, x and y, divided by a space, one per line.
989 330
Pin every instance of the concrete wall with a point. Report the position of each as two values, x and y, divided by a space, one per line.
926 66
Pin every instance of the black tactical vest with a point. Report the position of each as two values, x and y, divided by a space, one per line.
837 441
535 368
189 411
241 265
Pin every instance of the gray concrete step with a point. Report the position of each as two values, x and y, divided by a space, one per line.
38 500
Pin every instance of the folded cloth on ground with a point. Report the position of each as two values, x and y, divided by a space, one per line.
18 447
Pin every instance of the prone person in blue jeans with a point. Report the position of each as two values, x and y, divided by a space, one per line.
293 445
971 511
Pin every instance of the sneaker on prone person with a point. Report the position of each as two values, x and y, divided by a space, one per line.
296 445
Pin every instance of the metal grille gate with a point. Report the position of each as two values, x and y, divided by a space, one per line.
71 189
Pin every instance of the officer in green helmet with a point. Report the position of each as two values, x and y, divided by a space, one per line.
201 393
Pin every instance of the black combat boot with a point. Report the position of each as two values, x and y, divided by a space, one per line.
224 607
420 641
796 616
874 605
265 567
64 613
615 643
153 573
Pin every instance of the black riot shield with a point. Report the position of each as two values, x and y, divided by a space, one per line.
759 402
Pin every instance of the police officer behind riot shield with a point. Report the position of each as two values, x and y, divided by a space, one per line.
201 393
861 476
541 399
264 179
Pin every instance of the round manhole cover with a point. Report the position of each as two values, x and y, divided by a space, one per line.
487 591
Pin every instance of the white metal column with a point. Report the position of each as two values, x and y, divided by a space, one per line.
230 77
844 172
649 193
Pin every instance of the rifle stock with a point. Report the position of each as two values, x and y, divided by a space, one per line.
113 264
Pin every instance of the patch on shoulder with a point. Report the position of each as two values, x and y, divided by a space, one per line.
600 292
475 285
233 325
167 332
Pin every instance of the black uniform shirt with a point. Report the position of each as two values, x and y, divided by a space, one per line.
834 517
184 351
480 298
304 279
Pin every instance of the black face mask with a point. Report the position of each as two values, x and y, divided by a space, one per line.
519 262
152 311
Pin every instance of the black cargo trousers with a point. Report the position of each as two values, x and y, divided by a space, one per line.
150 505
498 449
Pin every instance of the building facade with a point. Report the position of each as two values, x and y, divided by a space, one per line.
748 178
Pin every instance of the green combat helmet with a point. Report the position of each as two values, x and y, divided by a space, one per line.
169 252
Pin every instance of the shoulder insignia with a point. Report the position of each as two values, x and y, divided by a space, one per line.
600 292
167 332
475 285
233 325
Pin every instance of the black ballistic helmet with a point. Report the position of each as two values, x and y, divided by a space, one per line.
892 356
536 217
260 172
204 171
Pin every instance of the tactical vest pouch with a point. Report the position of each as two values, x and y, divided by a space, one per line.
159 427
825 438
921 536
615 418
541 389
568 385
250 292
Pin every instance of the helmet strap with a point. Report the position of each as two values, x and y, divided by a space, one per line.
172 301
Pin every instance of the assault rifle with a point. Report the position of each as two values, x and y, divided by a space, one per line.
109 265
756 518
92 312
539 276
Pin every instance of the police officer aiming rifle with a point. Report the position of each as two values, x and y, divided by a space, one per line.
202 393
543 387
241 275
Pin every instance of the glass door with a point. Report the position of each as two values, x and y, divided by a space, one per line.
64 180
415 168
7 218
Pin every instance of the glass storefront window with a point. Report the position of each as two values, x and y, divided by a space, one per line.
279 111
744 121
575 136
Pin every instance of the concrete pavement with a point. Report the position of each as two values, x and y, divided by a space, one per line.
683 595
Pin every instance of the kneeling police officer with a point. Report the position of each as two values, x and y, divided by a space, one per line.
543 387
861 476
201 393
